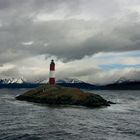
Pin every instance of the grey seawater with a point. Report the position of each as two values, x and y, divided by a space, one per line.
21 120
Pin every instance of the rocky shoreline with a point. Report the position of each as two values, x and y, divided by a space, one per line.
58 95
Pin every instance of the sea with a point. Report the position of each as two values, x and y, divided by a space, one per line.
21 120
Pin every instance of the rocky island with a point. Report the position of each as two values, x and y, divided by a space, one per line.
58 95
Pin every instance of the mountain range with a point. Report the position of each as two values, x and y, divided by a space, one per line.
121 84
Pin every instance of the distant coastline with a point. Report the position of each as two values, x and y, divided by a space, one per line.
132 85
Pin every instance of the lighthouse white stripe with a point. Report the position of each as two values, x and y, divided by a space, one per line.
52 74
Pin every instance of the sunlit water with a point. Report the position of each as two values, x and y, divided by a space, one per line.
21 120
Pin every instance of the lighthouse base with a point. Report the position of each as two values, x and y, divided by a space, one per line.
52 81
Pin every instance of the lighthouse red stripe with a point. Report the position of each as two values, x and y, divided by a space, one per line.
52 81
52 67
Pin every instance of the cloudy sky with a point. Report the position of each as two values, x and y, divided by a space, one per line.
97 41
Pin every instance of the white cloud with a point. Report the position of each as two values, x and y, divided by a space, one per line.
27 43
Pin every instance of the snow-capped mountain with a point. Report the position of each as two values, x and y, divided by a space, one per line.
75 83
124 80
69 80
20 81
11 81
64 80
121 84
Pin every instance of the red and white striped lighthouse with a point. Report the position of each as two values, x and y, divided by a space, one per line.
52 73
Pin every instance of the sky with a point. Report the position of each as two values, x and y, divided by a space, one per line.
97 41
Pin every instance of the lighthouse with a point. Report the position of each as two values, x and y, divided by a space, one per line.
52 73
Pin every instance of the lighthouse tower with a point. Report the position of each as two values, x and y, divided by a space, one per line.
52 73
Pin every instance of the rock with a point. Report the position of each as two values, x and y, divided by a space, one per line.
58 95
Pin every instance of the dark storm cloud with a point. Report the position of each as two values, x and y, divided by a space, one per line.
122 38
65 38
38 5
63 41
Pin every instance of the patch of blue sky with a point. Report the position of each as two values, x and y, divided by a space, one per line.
118 66
105 56
133 53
